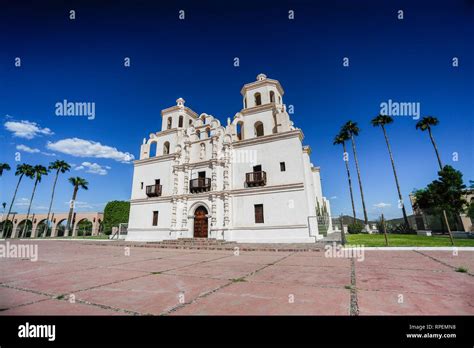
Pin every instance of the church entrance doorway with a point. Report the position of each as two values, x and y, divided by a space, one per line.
200 222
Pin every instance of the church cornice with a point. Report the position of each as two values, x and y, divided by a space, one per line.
259 108
248 191
179 108
269 138
257 84
155 159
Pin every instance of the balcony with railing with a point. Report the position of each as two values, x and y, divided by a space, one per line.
256 179
153 190
199 185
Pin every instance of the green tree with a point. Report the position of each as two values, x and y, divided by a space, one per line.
426 123
21 171
341 139
59 167
353 130
445 193
4 166
115 213
78 183
38 172
381 121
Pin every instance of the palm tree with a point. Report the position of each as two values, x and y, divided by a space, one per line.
341 139
21 171
4 166
353 130
382 121
38 172
78 183
59 167
425 124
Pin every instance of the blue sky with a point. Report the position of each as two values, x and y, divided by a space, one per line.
407 60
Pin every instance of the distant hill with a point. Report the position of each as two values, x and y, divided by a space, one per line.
348 220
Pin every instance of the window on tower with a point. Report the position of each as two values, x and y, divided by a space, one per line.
166 148
258 129
240 130
180 123
168 125
272 97
258 99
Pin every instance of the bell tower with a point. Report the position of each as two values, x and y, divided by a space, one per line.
263 109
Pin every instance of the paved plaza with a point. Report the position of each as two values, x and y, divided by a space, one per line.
90 278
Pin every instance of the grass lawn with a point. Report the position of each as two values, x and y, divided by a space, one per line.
394 240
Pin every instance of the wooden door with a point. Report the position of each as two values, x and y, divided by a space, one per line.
200 223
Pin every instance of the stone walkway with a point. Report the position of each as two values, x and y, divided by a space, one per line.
77 278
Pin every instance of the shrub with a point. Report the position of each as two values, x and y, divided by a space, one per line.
115 213
355 227
401 229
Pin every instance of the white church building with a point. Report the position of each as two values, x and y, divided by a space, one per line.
249 181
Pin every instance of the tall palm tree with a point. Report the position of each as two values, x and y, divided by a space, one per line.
38 172
78 183
382 121
21 171
59 167
341 139
4 166
353 130
425 124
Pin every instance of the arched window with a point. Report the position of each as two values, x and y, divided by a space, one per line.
180 122
168 125
190 122
258 129
258 99
208 131
245 103
272 97
153 149
279 100
240 130
198 133
166 148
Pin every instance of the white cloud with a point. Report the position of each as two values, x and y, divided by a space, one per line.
28 149
333 197
87 148
26 129
382 205
93 168
22 202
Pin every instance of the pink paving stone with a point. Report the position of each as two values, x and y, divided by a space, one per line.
420 281
386 303
74 281
11 298
268 299
158 265
218 271
153 294
404 254
463 259
57 307
317 276
252 259
198 257
27 271
423 263
315 261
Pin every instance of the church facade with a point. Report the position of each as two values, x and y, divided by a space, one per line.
249 181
